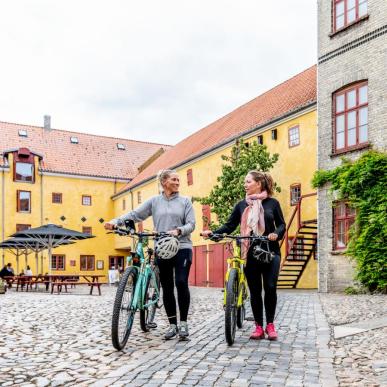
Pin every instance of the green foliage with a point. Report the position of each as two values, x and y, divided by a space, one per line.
229 189
363 184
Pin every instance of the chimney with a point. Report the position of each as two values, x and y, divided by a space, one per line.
47 122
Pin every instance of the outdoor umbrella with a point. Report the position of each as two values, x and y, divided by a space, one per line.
51 236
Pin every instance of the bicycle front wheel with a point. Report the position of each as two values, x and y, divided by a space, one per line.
123 313
152 291
231 306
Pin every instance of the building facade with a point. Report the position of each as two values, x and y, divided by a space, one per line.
284 119
352 114
65 178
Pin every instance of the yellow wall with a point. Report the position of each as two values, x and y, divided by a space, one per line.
43 211
295 165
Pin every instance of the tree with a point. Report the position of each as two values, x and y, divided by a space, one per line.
229 190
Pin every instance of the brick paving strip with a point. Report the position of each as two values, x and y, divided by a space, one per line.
64 340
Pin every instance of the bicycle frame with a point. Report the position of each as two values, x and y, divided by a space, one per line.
144 271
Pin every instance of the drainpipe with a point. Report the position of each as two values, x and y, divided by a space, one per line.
2 212
41 198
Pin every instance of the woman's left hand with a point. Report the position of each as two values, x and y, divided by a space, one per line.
272 237
175 232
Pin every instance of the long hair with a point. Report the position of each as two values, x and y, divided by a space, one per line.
267 182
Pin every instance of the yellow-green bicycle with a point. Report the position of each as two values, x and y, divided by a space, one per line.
235 287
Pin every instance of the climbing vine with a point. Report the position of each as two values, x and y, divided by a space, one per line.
363 183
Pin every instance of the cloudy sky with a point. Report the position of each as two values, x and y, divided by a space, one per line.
154 70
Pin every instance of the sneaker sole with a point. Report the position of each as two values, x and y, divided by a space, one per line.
257 338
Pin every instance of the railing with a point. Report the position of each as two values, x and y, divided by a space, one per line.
296 211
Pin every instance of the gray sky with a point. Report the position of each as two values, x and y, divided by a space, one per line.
154 70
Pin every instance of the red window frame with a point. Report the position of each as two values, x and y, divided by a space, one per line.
294 196
87 230
346 12
357 109
87 262
19 204
206 216
139 197
294 140
22 227
58 262
343 218
57 198
189 177
84 200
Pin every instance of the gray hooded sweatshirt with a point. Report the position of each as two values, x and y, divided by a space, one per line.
168 214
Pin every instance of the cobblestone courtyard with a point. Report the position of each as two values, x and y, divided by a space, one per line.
55 340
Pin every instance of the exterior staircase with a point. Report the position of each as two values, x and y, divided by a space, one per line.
299 249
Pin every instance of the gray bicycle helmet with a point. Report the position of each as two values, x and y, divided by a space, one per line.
167 247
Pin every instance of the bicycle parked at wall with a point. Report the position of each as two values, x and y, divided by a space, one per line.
235 287
139 289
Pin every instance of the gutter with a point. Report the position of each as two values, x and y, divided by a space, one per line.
222 144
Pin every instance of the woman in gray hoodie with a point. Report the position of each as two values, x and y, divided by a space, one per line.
174 214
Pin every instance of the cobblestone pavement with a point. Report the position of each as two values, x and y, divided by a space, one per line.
361 359
55 340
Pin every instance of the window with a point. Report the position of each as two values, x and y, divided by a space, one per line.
206 216
295 194
343 217
123 204
23 133
260 139
86 200
58 262
87 262
120 146
56 197
139 197
23 201
24 171
346 12
189 177
294 136
22 227
350 108
87 230
274 134
74 140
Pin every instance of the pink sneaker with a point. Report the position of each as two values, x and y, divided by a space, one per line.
271 332
257 333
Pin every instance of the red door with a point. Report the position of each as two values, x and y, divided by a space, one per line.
199 261
216 265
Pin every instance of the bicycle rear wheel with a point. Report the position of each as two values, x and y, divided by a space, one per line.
230 317
152 290
123 314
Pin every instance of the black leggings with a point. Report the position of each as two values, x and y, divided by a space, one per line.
180 264
255 273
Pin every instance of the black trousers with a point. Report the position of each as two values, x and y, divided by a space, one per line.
177 267
256 273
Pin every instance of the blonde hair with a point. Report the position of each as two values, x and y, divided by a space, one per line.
267 182
163 175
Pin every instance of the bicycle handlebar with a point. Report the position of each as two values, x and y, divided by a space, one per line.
132 232
222 236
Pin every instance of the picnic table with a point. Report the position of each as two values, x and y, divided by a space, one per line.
58 281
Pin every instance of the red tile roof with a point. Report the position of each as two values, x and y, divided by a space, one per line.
289 96
92 156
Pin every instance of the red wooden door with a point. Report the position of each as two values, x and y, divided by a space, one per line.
216 265
200 263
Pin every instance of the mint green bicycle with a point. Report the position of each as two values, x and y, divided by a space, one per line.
139 289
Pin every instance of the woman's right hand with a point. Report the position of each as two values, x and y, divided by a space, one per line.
206 234
109 226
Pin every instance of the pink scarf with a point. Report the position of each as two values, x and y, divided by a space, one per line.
253 221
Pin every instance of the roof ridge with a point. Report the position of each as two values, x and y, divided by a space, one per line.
87 134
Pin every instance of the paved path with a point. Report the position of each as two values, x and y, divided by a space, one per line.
55 340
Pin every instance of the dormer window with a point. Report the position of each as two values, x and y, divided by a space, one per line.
120 146
24 171
22 133
74 140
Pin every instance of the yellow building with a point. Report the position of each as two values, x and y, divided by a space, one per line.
284 119
65 178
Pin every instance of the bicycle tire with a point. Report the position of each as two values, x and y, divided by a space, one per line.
241 312
147 315
230 313
122 324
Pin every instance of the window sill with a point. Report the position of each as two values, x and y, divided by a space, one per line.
339 252
24 181
352 149
337 32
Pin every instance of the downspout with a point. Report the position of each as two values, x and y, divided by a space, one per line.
41 216
2 212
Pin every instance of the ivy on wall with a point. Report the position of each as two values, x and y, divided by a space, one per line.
364 183
230 187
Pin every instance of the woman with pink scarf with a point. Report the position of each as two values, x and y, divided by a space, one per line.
259 214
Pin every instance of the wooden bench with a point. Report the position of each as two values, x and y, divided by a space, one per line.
59 285
95 284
